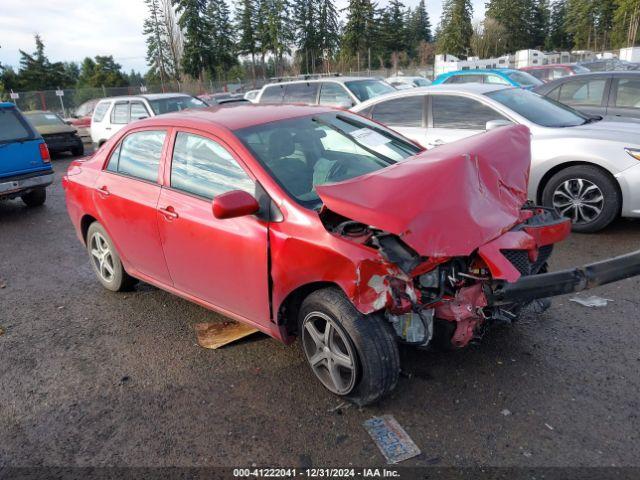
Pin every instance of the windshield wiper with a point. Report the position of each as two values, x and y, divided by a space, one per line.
595 118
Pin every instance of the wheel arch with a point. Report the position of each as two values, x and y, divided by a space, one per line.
287 315
558 168
85 223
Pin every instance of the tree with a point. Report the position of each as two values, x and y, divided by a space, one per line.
454 36
159 57
539 26
246 25
38 73
305 20
220 43
489 38
277 31
626 20
420 25
328 30
393 31
360 28
558 37
517 17
196 41
589 23
102 71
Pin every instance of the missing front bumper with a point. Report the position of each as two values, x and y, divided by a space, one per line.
573 280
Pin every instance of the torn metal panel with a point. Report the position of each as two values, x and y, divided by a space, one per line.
447 201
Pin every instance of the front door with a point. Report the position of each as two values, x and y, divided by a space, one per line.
126 195
223 262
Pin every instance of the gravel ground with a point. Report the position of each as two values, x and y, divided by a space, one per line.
93 378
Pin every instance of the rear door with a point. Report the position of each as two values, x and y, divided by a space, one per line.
624 100
407 115
19 144
453 117
588 95
126 196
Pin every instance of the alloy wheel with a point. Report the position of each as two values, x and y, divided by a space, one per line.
329 353
579 199
102 257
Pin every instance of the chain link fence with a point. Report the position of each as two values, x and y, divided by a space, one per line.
66 101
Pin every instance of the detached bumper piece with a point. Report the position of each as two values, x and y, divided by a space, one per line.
529 288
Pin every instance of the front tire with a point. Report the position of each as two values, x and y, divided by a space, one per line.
585 194
354 356
35 197
105 260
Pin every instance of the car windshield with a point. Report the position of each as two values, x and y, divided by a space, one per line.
421 82
302 153
579 69
524 79
44 119
540 110
175 104
366 89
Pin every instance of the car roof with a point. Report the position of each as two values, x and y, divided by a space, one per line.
149 96
234 116
324 79
473 88
7 105
482 70
549 65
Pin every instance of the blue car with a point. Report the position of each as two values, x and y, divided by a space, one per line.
497 76
25 163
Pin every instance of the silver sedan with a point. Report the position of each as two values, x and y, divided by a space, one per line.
588 169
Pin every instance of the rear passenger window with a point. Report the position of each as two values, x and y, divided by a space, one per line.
301 93
461 113
401 112
120 113
139 155
628 95
469 78
334 94
11 128
583 92
273 94
205 168
100 111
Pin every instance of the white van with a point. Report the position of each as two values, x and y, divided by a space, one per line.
111 114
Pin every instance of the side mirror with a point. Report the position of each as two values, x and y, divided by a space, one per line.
236 203
493 124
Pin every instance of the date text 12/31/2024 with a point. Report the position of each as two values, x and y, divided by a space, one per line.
315 473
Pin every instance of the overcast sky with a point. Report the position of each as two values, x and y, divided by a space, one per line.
74 29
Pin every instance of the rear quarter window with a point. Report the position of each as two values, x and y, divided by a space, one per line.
12 126
100 111
273 94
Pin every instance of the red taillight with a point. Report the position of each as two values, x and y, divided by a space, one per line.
44 153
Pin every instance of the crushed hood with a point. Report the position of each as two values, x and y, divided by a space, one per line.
445 202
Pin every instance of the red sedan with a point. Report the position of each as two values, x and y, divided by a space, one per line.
321 224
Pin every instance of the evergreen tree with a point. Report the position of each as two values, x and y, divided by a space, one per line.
539 23
220 43
589 22
279 31
517 17
248 38
454 36
626 23
38 73
559 38
196 41
420 25
102 71
328 29
360 28
393 29
305 20
159 56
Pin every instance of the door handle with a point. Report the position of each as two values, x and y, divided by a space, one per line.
169 213
437 142
103 192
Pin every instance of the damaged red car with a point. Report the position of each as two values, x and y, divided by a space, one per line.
319 224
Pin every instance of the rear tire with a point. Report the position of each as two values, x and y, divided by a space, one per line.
35 197
365 339
105 260
595 193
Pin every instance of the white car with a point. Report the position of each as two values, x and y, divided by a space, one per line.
403 82
113 113
586 168
342 92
